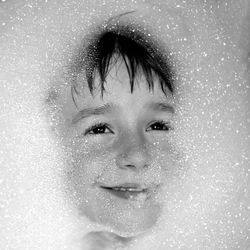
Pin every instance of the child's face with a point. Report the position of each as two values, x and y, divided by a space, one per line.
120 140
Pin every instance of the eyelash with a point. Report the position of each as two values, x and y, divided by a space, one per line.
98 125
161 122
106 126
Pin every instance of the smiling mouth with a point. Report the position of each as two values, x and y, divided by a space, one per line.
126 192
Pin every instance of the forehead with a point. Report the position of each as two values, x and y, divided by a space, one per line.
118 90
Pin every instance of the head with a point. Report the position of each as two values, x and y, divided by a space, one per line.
150 95
121 112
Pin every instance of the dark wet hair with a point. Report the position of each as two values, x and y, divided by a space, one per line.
139 58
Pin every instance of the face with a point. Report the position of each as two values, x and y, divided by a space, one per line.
188 159
120 140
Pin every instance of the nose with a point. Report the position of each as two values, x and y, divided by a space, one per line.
133 152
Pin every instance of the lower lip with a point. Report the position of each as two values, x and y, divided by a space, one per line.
125 194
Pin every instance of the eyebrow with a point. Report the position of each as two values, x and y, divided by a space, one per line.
102 110
110 107
162 106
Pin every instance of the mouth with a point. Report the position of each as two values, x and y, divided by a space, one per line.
127 191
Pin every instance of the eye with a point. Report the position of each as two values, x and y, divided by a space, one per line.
100 128
159 126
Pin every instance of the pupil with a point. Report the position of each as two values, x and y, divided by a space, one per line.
99 130
159 126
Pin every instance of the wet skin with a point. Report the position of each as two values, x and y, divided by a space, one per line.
50 168
120 140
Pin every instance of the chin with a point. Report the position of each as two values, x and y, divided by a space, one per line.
130 223
126 218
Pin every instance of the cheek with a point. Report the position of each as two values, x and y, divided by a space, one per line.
83 169
86 161
169 154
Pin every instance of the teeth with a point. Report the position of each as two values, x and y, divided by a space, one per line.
127 189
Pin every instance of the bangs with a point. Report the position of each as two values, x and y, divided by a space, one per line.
139 59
